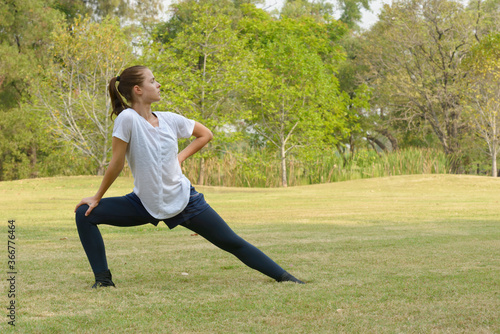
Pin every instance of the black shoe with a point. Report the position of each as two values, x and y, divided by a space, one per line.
101 284
287 277
103 280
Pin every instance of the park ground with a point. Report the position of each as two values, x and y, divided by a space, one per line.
405 254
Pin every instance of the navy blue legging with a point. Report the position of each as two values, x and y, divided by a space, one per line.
118 211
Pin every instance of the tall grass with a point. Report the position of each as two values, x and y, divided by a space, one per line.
261 169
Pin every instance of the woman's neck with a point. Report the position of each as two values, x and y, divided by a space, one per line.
143 109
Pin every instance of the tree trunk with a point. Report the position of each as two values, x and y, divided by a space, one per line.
101 169
372 140
32 156
392 139
494 171
284 181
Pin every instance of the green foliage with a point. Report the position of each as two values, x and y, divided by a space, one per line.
279 91
323 10
217 61
296 94
100 9
28 148
484 57
24 29
74 91
72 9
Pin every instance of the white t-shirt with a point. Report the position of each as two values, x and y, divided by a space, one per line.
152 157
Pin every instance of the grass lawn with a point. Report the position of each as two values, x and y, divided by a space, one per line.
408 254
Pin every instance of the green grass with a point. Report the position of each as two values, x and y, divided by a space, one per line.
406 254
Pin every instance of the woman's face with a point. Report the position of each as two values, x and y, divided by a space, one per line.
150 88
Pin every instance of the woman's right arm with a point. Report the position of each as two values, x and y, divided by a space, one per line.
114 168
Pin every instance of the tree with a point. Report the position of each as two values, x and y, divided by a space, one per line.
414 53
19 144
355 92
86 56
25 27
143 13
483 94
323 10
295 100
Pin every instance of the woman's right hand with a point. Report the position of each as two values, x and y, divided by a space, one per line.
92 202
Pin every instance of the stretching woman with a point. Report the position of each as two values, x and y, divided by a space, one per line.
161 192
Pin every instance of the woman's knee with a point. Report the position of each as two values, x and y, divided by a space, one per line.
80 215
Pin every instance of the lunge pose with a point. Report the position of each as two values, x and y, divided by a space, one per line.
161 192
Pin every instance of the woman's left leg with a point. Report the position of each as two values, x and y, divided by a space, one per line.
212 227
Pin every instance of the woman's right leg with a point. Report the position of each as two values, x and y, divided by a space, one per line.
116 211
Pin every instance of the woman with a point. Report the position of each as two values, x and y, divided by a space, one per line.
161 192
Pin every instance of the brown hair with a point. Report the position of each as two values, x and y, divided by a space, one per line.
129 78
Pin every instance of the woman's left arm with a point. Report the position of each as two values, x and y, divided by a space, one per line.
203 136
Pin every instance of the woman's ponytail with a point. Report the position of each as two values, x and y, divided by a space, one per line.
121 87
117 103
